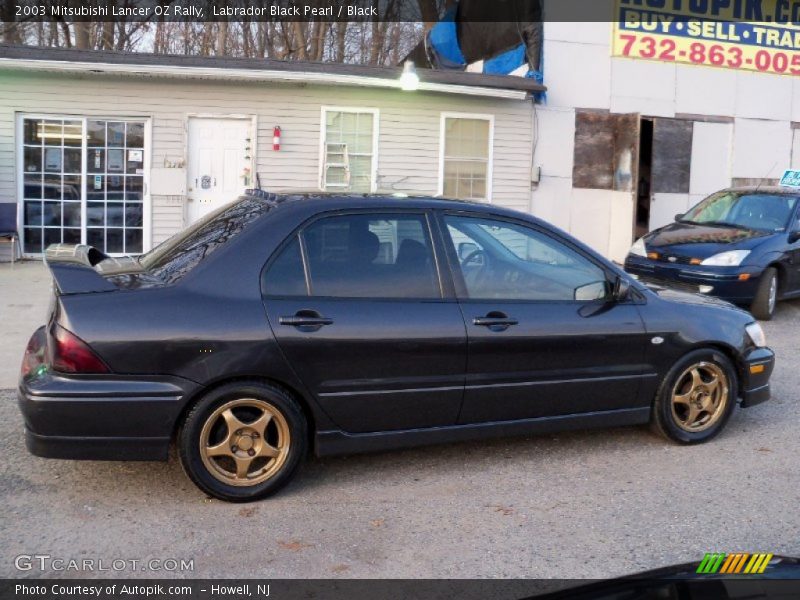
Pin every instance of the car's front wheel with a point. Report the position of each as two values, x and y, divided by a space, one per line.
243 441
696 398
763 306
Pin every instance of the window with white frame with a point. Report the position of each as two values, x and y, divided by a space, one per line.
82 181
349 146
466 166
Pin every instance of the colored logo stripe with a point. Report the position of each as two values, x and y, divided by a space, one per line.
740 562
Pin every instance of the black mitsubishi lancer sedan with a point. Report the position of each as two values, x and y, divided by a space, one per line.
741 244
340 324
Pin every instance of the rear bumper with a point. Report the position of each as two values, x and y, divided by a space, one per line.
756 370
101 418
724 281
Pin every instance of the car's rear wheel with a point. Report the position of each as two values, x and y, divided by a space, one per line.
696 398
243 441
763 306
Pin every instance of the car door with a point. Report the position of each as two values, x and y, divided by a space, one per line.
544 338
358 306
793 251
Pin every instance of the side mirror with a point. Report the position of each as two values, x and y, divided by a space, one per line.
622 289
596 290
679 216
465 249
794 236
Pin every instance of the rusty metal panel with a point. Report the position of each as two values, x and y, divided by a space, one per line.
672 156
606 151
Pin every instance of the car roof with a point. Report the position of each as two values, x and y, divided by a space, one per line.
315 200
765 189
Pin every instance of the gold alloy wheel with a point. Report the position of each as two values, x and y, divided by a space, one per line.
700 397
244 442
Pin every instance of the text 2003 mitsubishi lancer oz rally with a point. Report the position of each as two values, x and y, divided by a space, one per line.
343 324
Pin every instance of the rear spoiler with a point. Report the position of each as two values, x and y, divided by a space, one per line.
73 269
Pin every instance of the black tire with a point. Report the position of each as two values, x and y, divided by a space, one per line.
763 306
286 416
665 421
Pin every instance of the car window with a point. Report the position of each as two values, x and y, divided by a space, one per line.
371 256
286 275
178 255
507 261
767 212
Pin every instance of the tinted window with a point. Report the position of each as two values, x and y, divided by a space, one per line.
286 276
768 212
175 257
501 260
371 256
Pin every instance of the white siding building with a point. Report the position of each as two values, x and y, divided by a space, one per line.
121 151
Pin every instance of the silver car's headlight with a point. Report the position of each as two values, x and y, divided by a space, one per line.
732 258
638 248
756 334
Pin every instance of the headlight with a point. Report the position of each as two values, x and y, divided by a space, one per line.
638 248
756 334
732 258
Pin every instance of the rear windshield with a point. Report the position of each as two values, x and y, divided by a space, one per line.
175 257
746 210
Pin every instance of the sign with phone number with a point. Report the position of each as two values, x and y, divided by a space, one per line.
715 34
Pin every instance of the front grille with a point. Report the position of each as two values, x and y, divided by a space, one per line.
669 283
673 259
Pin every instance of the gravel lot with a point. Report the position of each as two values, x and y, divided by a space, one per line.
587 504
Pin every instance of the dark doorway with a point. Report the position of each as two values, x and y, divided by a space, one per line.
641 217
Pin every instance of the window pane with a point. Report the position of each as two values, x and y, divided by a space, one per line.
72 160
96 131
33 213
72 187
134 188
95 214
371 256
72 236
502 260
30 133
72 214
52 187
116 134
133 215
73 133
96 160
51 133
115 188
114 214
133 241
52 236
33 240
134 135
52 160
52 214
32 186
114 240
32 158
285 276
96 238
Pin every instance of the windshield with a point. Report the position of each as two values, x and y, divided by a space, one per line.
750 210
176 256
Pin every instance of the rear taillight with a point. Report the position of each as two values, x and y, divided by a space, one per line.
70 354
34 360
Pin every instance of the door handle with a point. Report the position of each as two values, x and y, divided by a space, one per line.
496 321
306 319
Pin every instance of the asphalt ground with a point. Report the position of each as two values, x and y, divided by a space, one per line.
587 504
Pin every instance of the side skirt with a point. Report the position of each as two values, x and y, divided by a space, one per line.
329 443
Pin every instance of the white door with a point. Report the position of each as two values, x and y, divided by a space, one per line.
219 163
